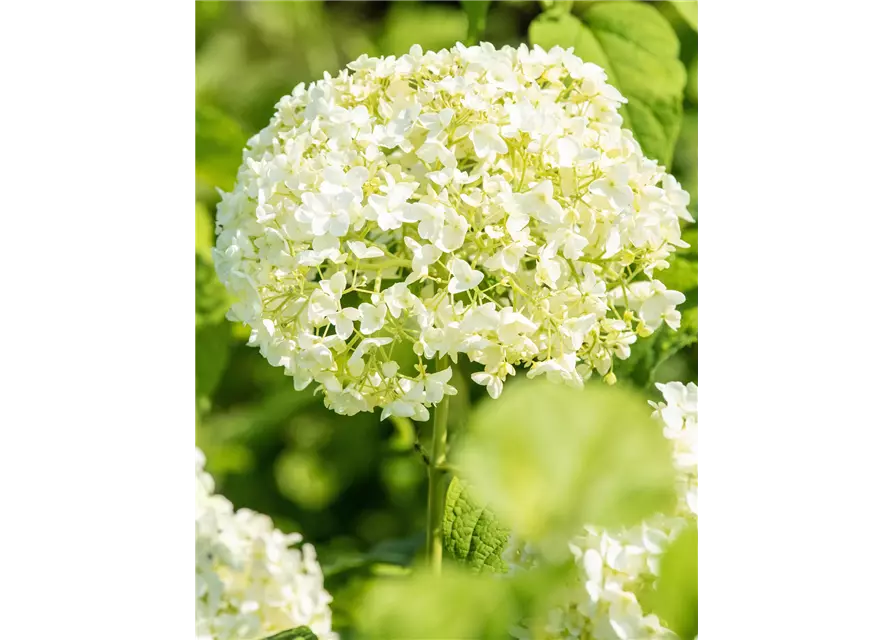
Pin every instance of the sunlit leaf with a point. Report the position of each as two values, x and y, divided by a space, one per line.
471 533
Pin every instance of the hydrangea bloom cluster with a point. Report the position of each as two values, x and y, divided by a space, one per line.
473 201
614 565
679 415
249 583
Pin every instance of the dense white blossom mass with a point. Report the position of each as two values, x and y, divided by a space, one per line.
249 581
614 565
477 201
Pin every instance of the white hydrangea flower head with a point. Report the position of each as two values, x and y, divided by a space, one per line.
678 413
469 201
614 565
249 581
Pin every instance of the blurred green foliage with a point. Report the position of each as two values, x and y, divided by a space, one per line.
549 459
355 487
454 605
676 600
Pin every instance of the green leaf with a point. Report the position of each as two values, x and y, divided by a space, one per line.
451 605
396 554
477 18
301 633
650 353
688 11
691 89
219 141
204 230
639 51
211 298
433 26
212 334
548 459
211 357
685 162
560 28
690 235
676 600
471 533
682 274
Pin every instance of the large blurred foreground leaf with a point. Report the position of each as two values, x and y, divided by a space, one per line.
548 459
459 605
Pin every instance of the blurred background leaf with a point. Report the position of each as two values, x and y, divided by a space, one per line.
211 300
204 230
433 25
218 147
476 10
211 356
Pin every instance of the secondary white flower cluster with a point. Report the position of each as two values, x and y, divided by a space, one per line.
679 415
477 201
249 582
615 565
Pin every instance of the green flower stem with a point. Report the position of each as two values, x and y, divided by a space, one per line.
437 472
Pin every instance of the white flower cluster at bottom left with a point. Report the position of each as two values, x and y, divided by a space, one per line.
249 583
